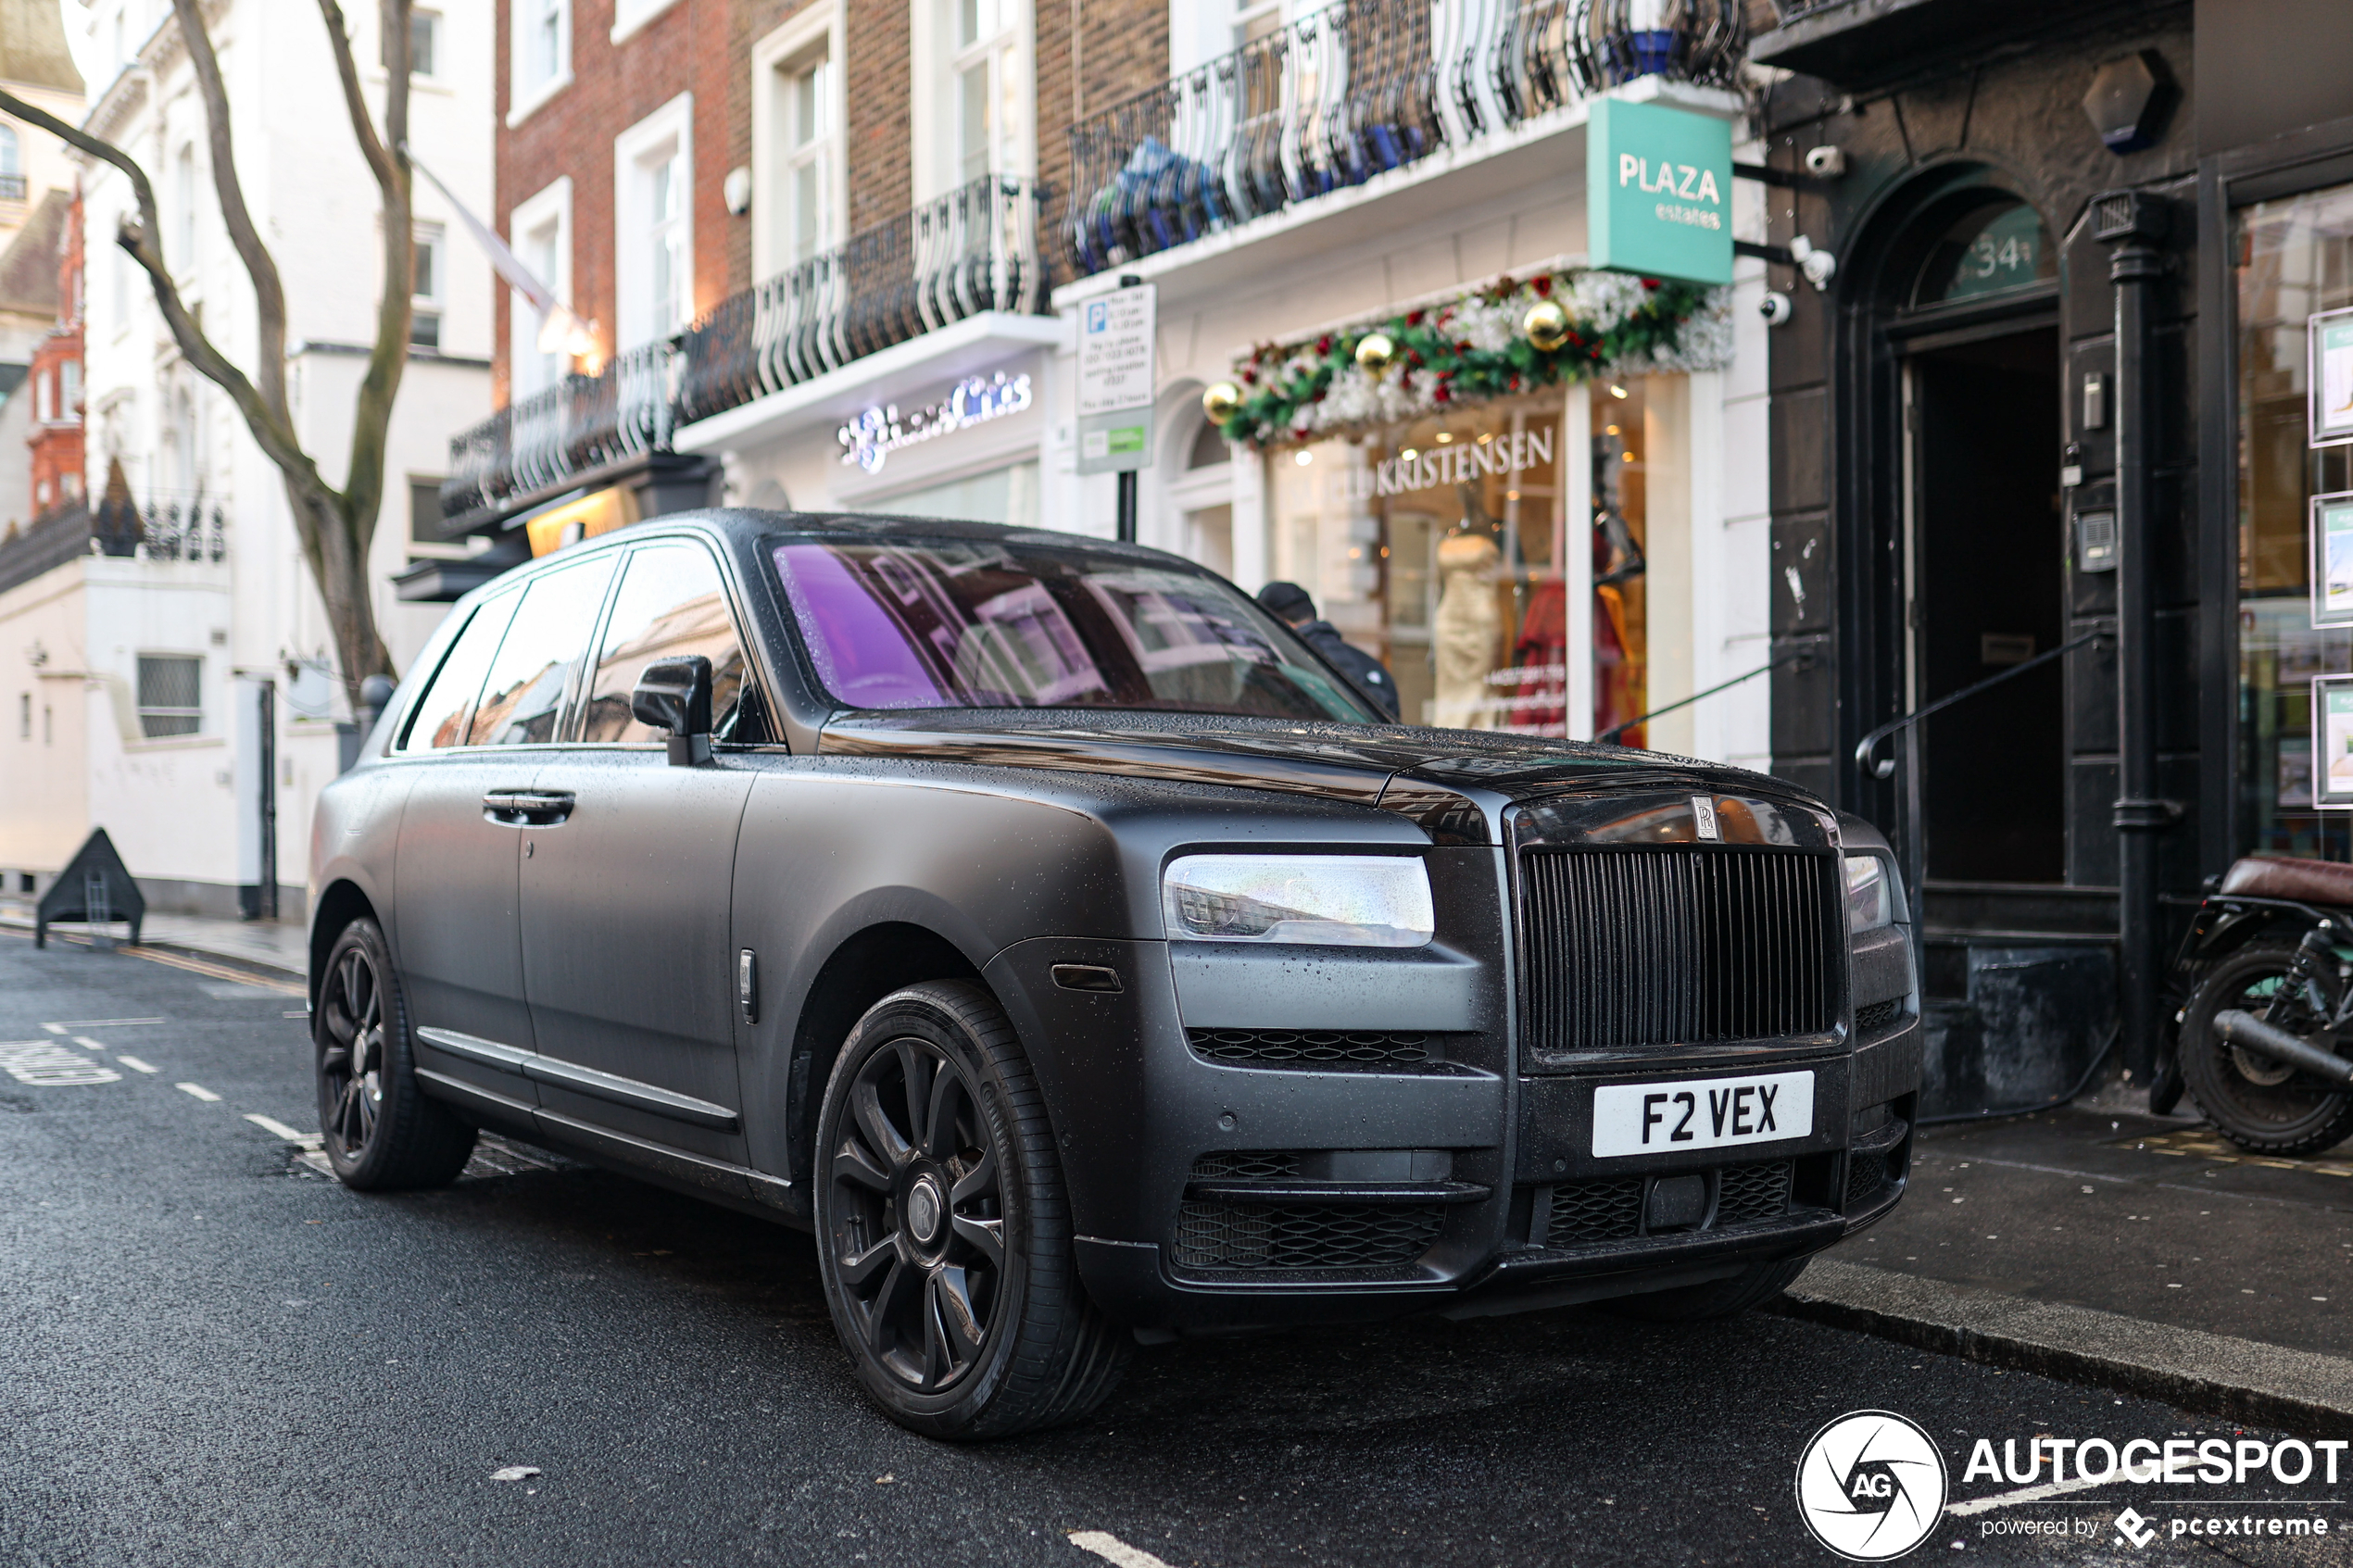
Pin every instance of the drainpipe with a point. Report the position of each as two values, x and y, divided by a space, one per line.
2134 223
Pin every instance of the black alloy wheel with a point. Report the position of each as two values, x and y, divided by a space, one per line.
2263 1106
943 1229
379 1130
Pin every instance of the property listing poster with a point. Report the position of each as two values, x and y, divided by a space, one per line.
2332 741
2331 534
2330 333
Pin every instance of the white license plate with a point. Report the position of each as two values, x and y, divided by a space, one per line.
1700 1113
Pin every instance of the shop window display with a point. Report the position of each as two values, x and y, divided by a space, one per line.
1436 545
2295 627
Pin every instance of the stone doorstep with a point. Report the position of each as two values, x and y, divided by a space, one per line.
2211 1374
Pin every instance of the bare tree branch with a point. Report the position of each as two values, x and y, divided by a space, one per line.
388 161
269 292
270 430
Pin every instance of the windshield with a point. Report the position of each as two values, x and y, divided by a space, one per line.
1000 623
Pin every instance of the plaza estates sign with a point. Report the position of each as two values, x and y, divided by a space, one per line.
1659 192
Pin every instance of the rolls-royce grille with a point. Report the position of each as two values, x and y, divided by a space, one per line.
1660 947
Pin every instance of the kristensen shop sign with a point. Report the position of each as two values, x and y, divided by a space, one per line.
868 440
1658 191
1455 463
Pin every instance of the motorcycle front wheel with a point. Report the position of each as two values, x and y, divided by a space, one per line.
2263 1106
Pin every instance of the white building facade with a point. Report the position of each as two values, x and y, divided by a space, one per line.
208 795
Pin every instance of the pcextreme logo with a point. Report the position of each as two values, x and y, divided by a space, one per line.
1871 1486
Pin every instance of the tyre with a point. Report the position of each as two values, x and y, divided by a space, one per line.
943 1228
1717 1298
2263 1106
379 1130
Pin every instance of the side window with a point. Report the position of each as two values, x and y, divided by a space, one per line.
440 717
523 697
672 603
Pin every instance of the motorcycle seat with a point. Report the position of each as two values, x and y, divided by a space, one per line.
2278 876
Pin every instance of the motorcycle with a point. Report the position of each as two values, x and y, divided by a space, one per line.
2266 976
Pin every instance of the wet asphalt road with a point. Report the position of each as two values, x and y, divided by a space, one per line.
211 1354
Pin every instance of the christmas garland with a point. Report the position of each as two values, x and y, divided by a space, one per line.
1482 345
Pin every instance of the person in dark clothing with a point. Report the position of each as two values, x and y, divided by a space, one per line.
1292 604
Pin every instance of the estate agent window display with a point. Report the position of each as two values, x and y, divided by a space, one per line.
2294 326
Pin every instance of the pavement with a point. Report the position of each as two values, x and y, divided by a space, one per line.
216 1355
282 945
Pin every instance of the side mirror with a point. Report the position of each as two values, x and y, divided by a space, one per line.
675 695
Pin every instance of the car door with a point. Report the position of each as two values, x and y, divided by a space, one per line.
479 735
625 900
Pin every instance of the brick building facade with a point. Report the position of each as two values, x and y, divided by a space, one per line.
55 430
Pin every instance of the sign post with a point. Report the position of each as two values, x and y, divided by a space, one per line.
1115 389
1658 192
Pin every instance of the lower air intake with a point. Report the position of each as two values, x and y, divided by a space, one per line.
1311 1050
1752 1192
1608 1211
1866 1174
1305 1236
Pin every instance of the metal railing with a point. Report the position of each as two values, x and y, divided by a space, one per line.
974 249
12 187
1351 90
553 437
163 527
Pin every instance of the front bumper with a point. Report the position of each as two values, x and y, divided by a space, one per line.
1483 1159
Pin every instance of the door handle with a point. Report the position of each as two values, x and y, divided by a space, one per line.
527 808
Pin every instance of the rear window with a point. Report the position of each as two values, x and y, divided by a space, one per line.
960 624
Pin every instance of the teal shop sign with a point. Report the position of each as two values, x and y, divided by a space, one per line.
1659 192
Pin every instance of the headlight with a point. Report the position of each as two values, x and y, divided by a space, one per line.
1320 900
1874 896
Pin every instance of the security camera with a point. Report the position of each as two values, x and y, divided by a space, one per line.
1826 163
1774 307
1818 266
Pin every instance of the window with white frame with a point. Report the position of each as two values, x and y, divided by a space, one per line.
987 82
804 157
653 228
424 41
70 390
429 251
541 50
170 694
541 234
11 156
45 397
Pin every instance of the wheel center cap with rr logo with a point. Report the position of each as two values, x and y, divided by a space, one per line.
924 1208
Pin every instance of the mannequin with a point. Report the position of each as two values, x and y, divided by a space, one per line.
1464 633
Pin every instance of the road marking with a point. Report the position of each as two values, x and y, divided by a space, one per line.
198 1090
96 1024
2025 1494
219 972
46 1064
1111 1549
87 1043
135 1065
55 1028
278 1129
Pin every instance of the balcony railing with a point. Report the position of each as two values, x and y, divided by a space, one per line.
12 187
551 439
164 527
1355 89
974 249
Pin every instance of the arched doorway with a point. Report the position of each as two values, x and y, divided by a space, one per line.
1958 323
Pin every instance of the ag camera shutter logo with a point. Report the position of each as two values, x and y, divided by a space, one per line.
1871 1486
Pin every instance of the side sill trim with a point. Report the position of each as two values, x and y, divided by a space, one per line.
609 1086
459 1089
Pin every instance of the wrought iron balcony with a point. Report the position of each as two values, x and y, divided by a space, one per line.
1353 90
973 250
12 187
554 439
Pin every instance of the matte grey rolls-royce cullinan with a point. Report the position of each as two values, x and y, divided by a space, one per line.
1056 937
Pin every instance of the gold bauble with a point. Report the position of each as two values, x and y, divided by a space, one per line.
1373 352
1221 402
1546 325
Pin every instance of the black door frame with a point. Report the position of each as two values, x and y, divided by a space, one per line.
1870 509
